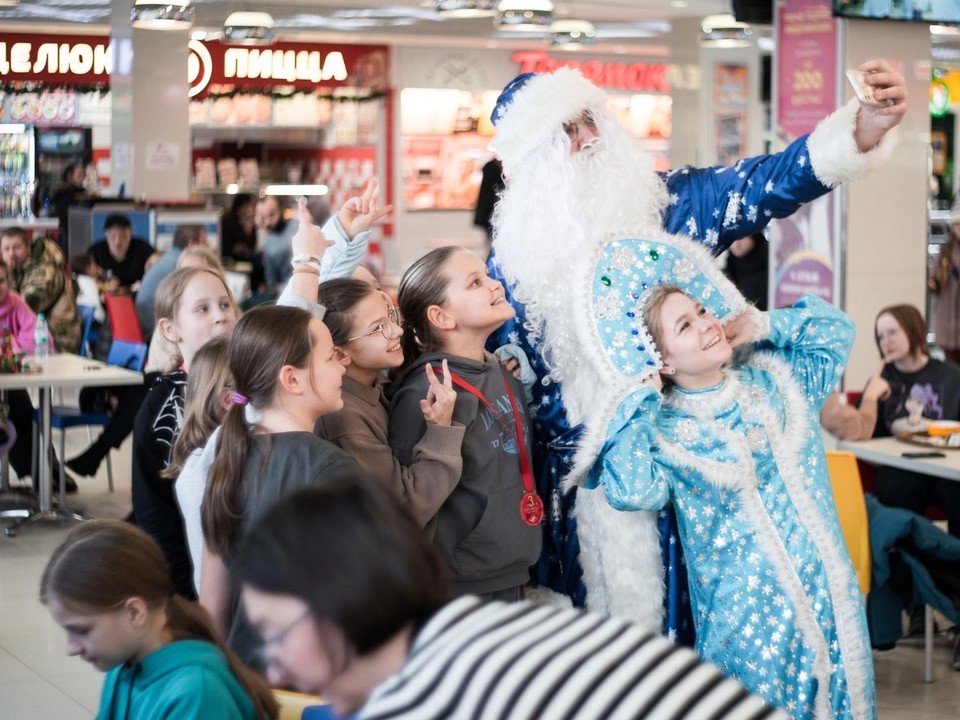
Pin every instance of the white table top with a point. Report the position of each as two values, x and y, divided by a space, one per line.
889 451
65 369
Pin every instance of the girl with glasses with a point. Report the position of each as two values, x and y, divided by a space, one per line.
108 586
367 328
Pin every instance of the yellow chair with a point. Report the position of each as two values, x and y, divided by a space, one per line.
852 511
292 704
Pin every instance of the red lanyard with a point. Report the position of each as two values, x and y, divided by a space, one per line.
531 506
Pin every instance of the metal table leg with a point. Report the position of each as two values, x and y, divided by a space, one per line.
46 511
16 497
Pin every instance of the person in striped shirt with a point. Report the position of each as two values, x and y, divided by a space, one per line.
352 603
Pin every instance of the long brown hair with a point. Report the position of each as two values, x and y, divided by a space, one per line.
104 563
203 410
911 322
423 284
266 338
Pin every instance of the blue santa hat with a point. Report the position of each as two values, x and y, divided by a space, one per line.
533 107
506 96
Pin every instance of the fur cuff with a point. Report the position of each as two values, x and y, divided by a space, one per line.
539 109
834 155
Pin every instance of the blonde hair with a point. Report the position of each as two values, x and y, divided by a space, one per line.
203 410
206 255
651 310
172 287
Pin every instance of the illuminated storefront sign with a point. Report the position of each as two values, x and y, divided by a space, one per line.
63 59
87 61
635 77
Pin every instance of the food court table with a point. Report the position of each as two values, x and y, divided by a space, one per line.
889 451
60 370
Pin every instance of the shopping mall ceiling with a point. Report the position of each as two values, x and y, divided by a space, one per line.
630 26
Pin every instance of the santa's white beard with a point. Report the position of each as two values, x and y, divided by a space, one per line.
555 210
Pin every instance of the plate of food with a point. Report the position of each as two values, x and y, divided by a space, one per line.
938 433
943 428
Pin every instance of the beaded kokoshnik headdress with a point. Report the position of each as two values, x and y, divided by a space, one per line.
611 293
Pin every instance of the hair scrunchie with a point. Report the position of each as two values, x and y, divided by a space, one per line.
239 399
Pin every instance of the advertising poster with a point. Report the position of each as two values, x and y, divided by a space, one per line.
730 101
805 252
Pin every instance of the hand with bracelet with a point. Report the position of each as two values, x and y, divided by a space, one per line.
308 246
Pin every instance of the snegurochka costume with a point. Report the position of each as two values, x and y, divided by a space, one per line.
775 598
714 207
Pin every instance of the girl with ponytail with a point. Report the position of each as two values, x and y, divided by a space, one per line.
286 373
108 586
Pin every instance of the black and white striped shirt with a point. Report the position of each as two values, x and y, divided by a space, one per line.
521 661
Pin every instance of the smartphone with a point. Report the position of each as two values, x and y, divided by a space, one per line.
922 454
863 91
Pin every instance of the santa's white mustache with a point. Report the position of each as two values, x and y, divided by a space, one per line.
587 150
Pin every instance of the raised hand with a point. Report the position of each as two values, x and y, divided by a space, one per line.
742 329
874 122
438 406
309 238
360 213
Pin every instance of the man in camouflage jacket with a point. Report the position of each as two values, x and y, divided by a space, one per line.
38 274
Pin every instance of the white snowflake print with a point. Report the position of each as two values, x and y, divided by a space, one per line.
684 270
608 306
623 259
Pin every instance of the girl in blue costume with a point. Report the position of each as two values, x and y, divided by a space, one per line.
108 586
735 447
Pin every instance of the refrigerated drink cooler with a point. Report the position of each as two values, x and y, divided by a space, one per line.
16 170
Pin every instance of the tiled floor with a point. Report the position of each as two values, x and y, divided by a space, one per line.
39 682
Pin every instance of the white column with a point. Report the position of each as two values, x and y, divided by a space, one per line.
150 131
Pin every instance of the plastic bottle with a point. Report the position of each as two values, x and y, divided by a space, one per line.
41 339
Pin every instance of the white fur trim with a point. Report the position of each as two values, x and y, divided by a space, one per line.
620 557
834 155
538 110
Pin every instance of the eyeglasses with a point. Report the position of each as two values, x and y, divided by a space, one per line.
276 640
392 318
586 120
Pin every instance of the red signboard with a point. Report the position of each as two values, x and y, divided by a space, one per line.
300 66
87 61
636 76
76 60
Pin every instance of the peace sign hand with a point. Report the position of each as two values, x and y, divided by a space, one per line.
360 213
438 406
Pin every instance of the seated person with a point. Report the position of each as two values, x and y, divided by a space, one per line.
37 273
121 255
909 388
86 274
184 236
